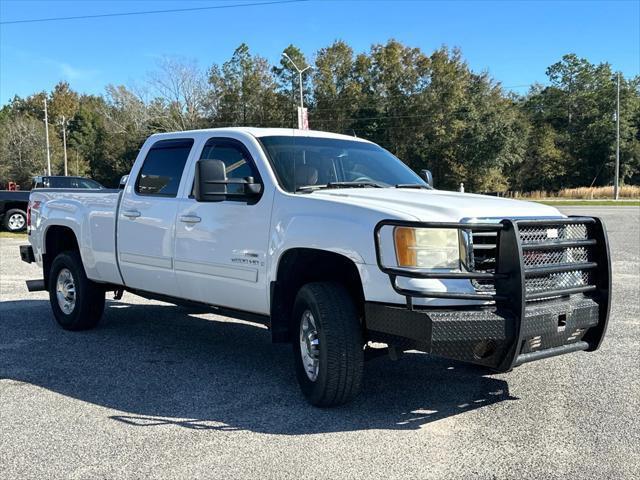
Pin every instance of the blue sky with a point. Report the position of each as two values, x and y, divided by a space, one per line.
513 41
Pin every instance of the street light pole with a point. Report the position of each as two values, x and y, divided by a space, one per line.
300 72
64 143
616 185
46 134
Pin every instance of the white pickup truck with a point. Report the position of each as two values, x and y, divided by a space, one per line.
332 242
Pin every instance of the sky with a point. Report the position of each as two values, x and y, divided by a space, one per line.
515 41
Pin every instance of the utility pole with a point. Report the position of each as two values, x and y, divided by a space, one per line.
64 143
616 185
300 72
46 134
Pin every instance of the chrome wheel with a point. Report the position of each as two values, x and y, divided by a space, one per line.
309 345
16 222
66 291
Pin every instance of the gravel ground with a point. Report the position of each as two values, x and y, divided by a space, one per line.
159 391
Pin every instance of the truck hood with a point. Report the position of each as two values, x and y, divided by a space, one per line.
438 205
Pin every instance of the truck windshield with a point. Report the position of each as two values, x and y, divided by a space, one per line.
308 163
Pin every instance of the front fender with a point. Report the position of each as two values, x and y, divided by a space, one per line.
304 221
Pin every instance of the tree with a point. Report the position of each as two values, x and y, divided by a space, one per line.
22 148
244 92
179 93
579 106
337 94
63 102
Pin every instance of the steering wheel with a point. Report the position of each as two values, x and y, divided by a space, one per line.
364 179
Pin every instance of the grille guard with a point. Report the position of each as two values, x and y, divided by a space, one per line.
511 273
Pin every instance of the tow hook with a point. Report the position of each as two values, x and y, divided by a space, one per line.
371 352
117 294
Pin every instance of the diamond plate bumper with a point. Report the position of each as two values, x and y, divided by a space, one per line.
487 336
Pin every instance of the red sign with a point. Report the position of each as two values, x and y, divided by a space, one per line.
303 118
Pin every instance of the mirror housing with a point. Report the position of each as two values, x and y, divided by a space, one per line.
123 182
211 183
427 176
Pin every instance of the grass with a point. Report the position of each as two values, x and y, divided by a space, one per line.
604 203
628 192
17 236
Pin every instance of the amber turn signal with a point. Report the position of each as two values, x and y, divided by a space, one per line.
405 239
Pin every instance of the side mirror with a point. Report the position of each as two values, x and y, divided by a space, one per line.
427 177
123 182
251 188
211 183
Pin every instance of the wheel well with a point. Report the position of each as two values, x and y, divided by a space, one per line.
300 266
15 206
57 239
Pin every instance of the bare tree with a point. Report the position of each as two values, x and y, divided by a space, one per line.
126 110
179 92
22 149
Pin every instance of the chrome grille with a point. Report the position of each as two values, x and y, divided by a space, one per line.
484 257
545 258
539 234
546 248
553 281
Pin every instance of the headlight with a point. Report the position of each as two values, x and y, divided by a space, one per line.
445 248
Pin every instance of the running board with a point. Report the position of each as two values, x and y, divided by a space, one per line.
35 285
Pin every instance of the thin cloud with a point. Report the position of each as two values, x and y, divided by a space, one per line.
64 69
73 73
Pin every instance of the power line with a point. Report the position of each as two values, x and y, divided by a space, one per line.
149 12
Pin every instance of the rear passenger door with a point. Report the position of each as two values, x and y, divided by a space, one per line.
146 222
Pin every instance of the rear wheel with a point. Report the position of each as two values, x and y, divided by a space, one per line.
15 220
328 345
76 301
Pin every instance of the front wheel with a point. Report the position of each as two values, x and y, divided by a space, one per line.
15 220
328 345
76 301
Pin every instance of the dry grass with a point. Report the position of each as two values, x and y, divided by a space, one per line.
16 236
583 193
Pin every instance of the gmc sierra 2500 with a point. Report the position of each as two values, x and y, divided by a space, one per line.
333 243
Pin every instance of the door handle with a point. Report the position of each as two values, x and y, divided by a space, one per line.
190 218
131 213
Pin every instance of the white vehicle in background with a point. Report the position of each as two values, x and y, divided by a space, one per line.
333 243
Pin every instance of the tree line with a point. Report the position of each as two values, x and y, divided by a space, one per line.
430 110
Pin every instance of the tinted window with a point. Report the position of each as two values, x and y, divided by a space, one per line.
59 182
163 167
86 183
309 161
237 161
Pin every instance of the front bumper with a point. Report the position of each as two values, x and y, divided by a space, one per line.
532 311
487 336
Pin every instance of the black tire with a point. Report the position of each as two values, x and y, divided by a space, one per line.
340 353
88 296
10 218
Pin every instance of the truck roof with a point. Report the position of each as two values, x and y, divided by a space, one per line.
264 132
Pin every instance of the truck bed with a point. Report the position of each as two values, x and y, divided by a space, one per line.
96 210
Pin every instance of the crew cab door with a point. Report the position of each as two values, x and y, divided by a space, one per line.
147 215
221 246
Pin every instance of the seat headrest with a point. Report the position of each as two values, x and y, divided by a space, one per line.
306 175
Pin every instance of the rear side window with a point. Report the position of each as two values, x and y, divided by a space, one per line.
59 182
162 168
86 183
